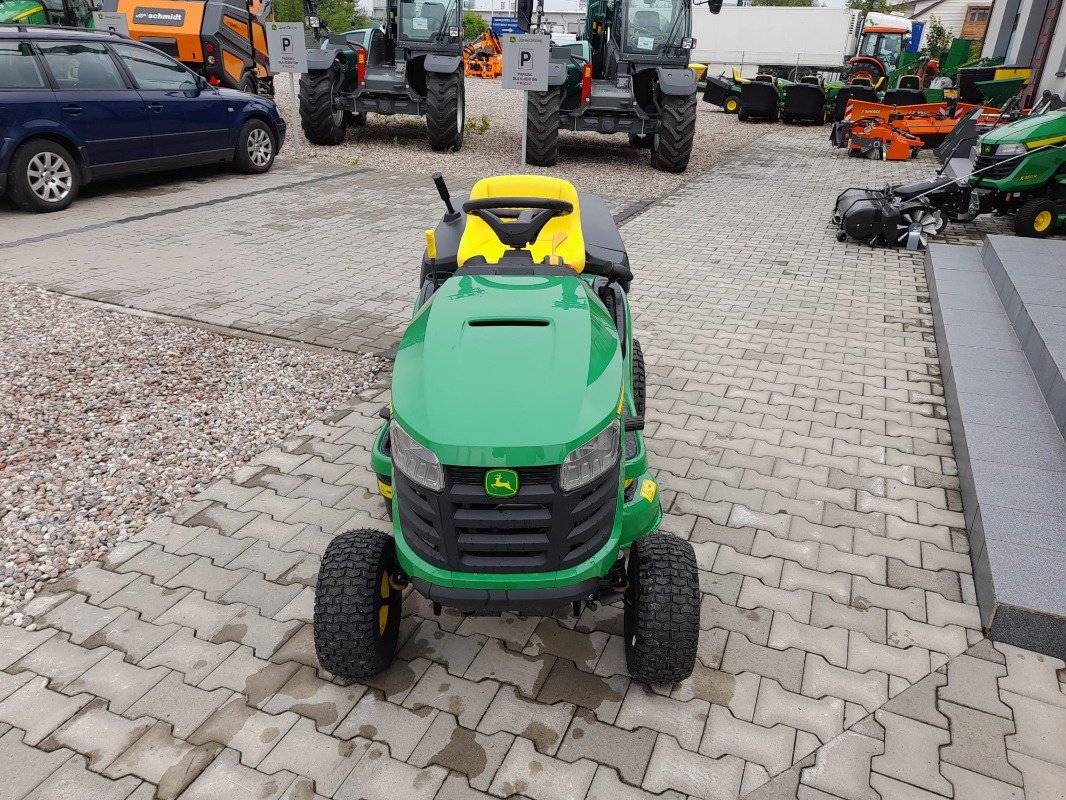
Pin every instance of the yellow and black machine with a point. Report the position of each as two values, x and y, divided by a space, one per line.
223 40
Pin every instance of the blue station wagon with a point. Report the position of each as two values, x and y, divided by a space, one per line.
78 106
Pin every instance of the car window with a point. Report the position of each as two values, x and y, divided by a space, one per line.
18 67
82 66
152 70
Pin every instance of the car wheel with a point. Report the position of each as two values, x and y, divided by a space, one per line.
256 147
44 177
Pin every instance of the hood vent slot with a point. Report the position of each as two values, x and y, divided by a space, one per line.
508 323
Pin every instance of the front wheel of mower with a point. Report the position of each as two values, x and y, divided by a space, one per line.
322 123
1036 218
445 110
542 127
731 105
672 143
662 610
357 611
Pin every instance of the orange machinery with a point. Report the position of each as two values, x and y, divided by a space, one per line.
223 40
895 133
483 57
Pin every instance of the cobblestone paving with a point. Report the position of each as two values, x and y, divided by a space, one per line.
797 427
316 253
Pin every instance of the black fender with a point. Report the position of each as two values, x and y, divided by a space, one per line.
320 60
440 63
556 73
676 81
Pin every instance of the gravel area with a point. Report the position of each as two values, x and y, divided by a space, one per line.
109 420
493 139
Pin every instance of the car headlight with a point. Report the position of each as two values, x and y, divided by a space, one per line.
415 461
591 460
1011 150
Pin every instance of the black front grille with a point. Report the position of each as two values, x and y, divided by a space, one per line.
540 529
995 168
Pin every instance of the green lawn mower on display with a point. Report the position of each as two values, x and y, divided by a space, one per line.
1021 168
512 458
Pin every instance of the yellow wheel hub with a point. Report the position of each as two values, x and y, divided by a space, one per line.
383 612
731 105
1042 221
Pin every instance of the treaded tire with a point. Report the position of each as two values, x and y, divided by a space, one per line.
18 185
662 610
672 145
351 639
248 84
445 110
542 127
321 123
640 379
242 159
1025 220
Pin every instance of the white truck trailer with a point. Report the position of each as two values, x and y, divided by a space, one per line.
758 38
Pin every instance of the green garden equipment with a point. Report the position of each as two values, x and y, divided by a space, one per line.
512 457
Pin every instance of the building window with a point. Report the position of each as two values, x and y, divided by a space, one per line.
978 13
976 22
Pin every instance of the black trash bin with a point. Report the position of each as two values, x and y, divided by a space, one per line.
758 100
804 102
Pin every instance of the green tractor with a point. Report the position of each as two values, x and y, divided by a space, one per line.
413 64
628 74
70 13
1021 169
512 459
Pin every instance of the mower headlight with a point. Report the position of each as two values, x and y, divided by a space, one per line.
415 461
1011 150
591 460
312 22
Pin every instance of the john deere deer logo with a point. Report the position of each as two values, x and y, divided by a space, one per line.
501 483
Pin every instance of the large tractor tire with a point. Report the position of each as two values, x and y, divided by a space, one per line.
445 110
672 144
357 611
321 122
662 610
542 127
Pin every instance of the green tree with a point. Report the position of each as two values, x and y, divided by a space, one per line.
866 6
936 39
338 15
473 25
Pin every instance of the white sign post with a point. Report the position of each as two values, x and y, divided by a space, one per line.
525 68
287 46
112 22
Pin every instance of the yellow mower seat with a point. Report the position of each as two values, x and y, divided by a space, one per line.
479 240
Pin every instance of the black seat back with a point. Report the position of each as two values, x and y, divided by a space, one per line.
904 97
804 101
758 99
853 92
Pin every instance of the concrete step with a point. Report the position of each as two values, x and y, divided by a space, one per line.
1030 277
1010 453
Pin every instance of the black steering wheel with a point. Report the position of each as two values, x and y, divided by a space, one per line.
517 221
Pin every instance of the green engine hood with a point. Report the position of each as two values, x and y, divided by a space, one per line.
514 371
1030 130
22 11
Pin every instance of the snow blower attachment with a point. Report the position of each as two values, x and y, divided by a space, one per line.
881 217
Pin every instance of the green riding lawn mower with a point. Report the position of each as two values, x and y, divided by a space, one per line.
413 64
71 13
1019 169
512 458
628 73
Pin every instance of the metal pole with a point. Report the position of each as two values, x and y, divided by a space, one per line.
295 124
525 113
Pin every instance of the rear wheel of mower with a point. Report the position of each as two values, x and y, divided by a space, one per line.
542 127
321 122
445 110
662 610
640 379
672 144
1036 219
357 611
